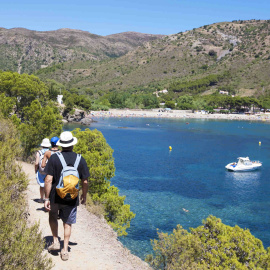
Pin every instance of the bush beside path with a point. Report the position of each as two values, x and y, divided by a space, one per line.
93 243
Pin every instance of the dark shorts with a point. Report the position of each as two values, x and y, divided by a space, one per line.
66 212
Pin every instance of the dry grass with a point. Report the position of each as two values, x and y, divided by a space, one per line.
95 208
245 92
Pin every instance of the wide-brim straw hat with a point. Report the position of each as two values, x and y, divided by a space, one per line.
67 139
45 143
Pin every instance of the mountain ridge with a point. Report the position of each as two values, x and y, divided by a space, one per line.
25 50
240 49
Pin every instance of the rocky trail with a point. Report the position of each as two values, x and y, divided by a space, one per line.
93 244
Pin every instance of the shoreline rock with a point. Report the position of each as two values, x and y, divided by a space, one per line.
87 121
79 116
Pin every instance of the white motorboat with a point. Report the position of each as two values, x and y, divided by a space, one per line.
244 164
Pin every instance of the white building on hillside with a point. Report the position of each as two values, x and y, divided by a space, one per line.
224 92
164 91
59 99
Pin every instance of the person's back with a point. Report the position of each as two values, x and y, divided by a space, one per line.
40 174
56 168
55 203
54 149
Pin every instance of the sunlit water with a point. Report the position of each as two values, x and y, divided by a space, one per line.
159 183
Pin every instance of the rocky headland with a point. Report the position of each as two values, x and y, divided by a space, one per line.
79 116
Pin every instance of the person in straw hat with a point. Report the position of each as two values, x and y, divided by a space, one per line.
59 201
40 174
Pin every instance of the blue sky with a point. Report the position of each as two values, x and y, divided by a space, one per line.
111 17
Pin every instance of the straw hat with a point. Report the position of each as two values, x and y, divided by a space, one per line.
67 139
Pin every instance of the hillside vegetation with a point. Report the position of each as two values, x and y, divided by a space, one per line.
212 245
26 51
27 101
21 245
239 49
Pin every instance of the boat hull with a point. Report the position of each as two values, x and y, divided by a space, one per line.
236 168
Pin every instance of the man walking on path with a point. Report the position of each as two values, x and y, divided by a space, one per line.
60 196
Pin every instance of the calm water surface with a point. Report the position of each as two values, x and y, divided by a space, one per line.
159 183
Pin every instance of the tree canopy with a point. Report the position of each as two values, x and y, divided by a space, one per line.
26 99
38 124
213 245
99 158
23 88
195 86
36 117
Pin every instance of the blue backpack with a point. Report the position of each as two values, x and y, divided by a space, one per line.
68 185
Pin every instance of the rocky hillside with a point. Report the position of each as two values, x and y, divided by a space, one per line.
239 49
23 50
237 53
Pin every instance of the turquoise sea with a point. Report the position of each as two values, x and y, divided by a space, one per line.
159 183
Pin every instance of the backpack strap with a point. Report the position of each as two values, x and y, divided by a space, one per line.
61 158
42 151
64 164
77 161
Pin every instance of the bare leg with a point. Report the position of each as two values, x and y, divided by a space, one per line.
41 190
54 228
67 233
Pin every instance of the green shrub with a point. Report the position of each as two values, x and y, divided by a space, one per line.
196 86
39 123
212 53
213 245
21 246
170 104
23 88
26 97
99 107
105 198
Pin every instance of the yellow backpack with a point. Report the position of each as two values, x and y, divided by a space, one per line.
68 186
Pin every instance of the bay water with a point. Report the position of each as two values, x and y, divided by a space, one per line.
187 184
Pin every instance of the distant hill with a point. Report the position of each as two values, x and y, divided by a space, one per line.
236 53
24 50
241 49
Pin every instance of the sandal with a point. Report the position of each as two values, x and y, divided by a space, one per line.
64 255
54 246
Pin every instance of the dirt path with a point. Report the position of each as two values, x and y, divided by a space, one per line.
93 244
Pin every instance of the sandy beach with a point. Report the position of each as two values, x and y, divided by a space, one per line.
156 113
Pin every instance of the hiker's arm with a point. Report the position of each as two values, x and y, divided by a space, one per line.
48 185
43 164
47 190
84 191
36 162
